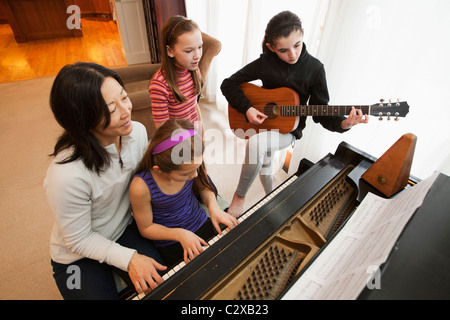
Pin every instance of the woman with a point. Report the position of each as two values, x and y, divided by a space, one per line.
87 187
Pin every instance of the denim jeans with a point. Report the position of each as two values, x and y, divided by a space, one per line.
96 279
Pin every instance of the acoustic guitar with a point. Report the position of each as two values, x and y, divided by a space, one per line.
283 109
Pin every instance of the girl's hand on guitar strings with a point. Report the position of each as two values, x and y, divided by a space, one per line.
254 116
355 117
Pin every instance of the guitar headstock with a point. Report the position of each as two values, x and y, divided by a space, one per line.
390 109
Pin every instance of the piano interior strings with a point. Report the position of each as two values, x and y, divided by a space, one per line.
266 273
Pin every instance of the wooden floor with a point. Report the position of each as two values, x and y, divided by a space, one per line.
40 58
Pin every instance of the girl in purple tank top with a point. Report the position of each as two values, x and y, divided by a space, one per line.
165 193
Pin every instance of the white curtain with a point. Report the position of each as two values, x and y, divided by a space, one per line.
371 49
240 26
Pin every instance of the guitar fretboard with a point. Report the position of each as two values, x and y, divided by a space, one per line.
319 110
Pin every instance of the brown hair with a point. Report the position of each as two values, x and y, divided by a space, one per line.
172 29
281 25
164 160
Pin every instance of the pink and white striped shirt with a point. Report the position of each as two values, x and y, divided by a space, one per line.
164 104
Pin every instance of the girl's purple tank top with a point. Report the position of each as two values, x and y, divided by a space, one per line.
180 210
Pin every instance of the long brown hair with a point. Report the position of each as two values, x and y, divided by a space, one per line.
172 29
164 160
281 25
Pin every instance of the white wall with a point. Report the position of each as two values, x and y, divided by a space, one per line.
389 49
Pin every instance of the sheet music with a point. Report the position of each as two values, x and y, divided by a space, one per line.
348 263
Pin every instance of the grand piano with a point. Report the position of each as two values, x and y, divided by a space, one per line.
280 236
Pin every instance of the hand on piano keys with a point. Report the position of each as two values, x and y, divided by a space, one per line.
224 232
218 216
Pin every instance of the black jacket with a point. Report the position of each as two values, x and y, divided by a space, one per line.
306 77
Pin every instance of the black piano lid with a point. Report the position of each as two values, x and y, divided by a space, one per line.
419 264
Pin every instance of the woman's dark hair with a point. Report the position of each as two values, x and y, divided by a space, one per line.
281 25
78 106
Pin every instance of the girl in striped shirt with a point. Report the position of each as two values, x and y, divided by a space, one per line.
175 87
164 194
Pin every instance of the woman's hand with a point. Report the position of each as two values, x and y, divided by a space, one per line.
191 243
355 117
143 272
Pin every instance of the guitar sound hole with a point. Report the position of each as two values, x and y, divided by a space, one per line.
271 110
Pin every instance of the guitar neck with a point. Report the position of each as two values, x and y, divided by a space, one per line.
320 110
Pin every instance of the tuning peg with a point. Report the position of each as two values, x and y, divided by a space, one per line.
380 118
396 116
381 100
389 116
398 102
